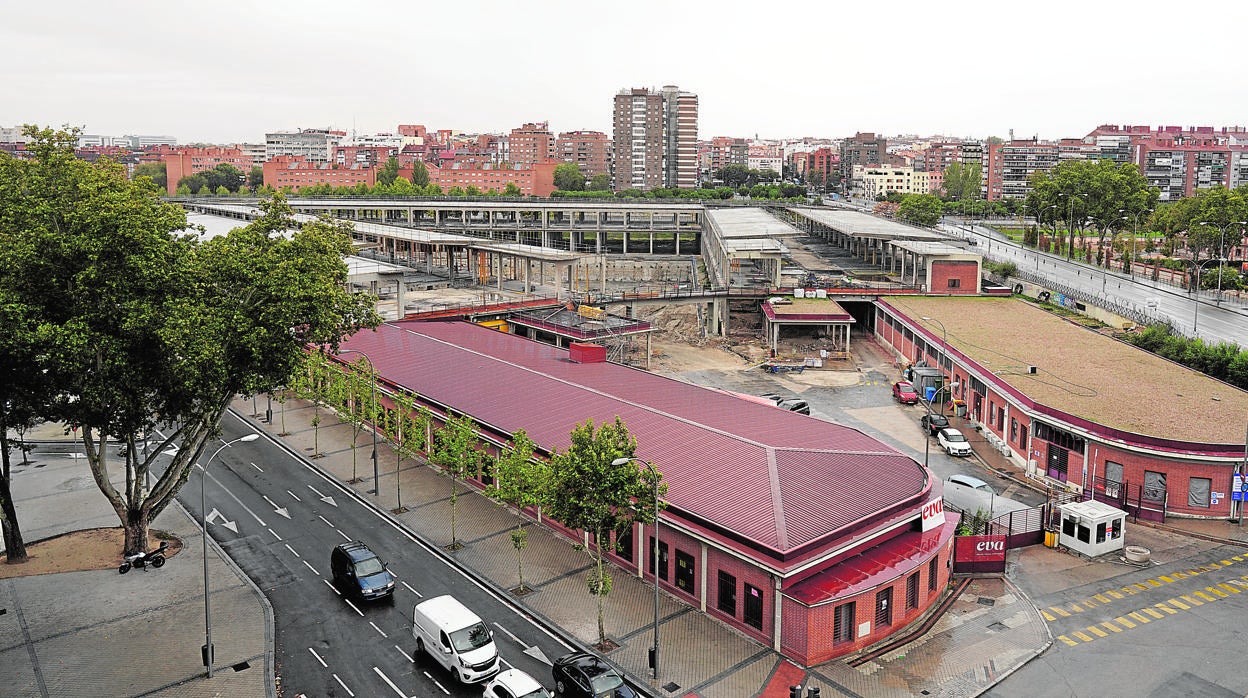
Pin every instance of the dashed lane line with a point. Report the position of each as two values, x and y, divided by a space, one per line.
345 688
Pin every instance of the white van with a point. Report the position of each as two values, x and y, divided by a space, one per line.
456 638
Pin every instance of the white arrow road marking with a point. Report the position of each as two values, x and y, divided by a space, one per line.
236 499
324 498
537 653
388 683
318 657
344 686
276 508
212 515
171 452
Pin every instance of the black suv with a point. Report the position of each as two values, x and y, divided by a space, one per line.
359 572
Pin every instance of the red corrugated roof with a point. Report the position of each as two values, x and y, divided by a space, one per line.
772 479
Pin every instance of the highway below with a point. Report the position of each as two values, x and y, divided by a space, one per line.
278 518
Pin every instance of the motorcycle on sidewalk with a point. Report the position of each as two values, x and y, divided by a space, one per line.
141 559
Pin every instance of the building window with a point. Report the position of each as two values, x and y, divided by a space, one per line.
753 611
684 571
931 573
1113 479
1013 429
955 283
624 544
912 591
884 607
1154 486
843 623
727 593
1198 492
662 558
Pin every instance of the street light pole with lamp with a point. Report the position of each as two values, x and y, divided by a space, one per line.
1135 238
372 369
1221 255
944 350
1196 299
654 650
207 650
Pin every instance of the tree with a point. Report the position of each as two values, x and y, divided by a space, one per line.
512 189
734 175
1091 191
599 182
962 181
255 178
402 187
921 209
589 492
455 450
144 327
420 174
389 172
569 178
519 482
410 434
154 171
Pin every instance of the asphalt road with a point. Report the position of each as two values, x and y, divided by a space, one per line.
278 519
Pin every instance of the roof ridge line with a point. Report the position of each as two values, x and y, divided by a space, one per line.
644 408
777 504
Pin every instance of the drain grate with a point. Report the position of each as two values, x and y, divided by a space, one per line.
986 602
997 627
241 666
670 687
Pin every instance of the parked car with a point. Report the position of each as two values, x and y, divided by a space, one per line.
933 423
358 571
583 675
905 393
795 405
773 397
954 443
972 482
514 683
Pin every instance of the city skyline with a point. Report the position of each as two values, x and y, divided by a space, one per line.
205 75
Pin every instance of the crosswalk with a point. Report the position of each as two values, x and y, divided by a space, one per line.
1148 613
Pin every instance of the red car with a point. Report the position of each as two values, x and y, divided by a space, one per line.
905 393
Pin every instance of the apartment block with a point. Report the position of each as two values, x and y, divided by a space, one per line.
590 151
314 145
722 151
765 157
297 172
1009 167
534 180
872 181
863 149
655 139
530 144
184 162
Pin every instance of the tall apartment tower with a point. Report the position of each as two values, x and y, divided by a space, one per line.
656 139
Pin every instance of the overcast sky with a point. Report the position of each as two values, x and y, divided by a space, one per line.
230 71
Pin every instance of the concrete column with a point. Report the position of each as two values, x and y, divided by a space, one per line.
776 614
528 270
702 592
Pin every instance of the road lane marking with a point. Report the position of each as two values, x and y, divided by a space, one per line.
344 536
1228 587
1097 631
1102 598
504 661
257 467
1076 608
318 657
292 550
1155 614
409 588
435 682
1166 608
1115 594
1111 627
1048 616
312 568
1141 587
383 633
1154 582
331 586
1192 600
294 495
1179 604
239 501
322 518
1060 611
409 657
508 634
389 682
1124 622
1217 592
344 686
275 534
1139 616
1067 640
353 608
1202 595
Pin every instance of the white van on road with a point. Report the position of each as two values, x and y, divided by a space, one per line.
456 638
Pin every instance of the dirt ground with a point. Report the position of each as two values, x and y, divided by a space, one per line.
79 551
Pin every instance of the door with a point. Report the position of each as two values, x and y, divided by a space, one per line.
684 571
1058 457
753 611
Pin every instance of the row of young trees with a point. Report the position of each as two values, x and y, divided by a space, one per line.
125 328
1225 361
593 485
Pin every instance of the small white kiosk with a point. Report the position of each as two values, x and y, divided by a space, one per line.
1092 528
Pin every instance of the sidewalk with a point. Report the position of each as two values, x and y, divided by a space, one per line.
990 630
99 633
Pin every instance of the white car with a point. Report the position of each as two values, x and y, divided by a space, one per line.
514 683
971 482
954 443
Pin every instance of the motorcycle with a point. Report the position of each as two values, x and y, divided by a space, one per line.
141 559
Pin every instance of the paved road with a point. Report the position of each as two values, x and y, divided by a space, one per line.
288 518
1227 322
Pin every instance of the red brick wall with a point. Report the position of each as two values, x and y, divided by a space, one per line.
965 272
1178 477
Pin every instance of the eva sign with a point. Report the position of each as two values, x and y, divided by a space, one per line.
934 514
979 549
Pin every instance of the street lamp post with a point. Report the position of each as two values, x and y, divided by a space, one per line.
1221 252
1196 298
944 350
203 527
372 370
655 474
1134 238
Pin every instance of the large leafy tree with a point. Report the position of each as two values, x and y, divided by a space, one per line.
1092 193
589 491
420 176
920 209
519 482
569 178
388 172
963 180
142 329
255 178
155 170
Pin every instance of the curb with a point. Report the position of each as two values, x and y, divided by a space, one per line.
485 583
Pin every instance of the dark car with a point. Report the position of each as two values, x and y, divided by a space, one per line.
905 393
933 423
358 572
795 405
583 675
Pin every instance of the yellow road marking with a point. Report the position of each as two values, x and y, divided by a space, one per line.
1237 558
1141 587
1076 608
1217 592
1154 582
1102 598
1226 563
1111 626
1152 613
1067 640
1139 616
1083 636
1181 575
1124 622
1059 611
1230 588
1180 604
1203 595
1114 594
1193 601
1166 578
1166 608
1097 631
1048 616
